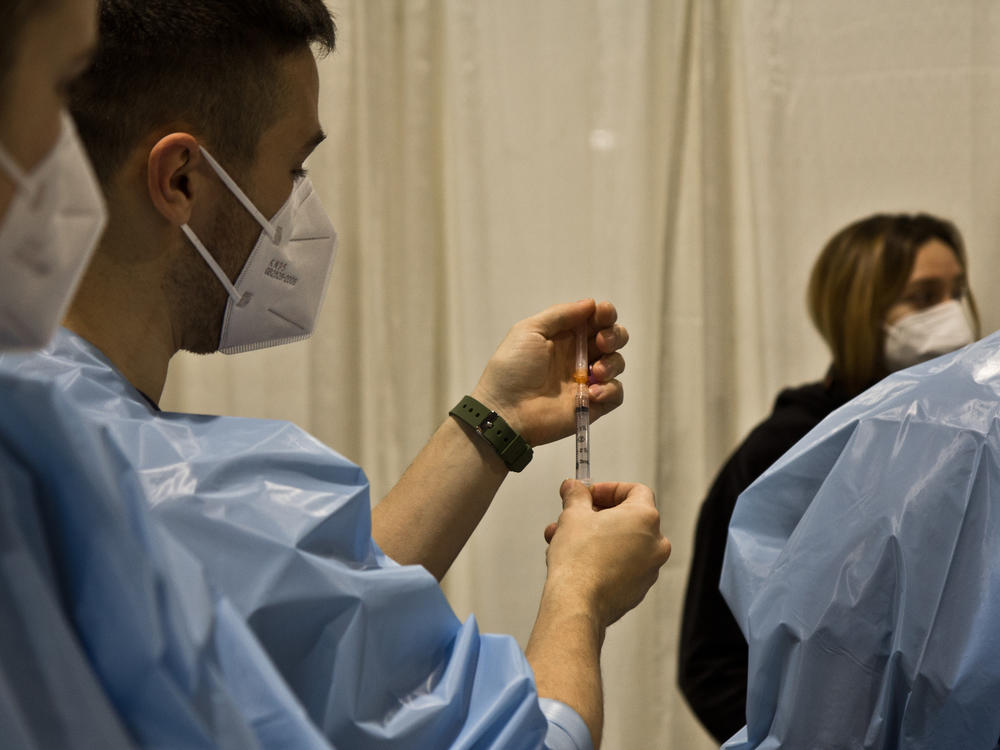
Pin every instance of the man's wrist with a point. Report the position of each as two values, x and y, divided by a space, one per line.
567 604
509 413
510 446
568 600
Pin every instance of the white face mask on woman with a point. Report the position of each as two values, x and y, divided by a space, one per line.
924 335
52 225
279 292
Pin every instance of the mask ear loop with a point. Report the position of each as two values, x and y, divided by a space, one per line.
274 234
12 169
239 299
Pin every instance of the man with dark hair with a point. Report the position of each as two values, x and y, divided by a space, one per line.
199 115
213 66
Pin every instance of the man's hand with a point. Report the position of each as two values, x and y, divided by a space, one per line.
606 548
604 554
529 379
430 513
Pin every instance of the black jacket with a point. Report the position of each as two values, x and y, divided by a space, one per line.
712 663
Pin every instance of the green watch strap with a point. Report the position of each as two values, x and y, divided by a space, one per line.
512 448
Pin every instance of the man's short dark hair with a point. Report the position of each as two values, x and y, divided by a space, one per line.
208 66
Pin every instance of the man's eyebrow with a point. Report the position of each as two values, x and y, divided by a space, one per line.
313 142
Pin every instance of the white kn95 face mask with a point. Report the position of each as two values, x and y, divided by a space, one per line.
47 236
279 293
927 334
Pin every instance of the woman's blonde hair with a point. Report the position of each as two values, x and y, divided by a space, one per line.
861 272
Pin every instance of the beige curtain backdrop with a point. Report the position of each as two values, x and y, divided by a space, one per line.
685 159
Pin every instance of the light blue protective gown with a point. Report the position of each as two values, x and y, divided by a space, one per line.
864 569
282 525
49 695
109 636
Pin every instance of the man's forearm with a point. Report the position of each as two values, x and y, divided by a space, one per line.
565 653
429 515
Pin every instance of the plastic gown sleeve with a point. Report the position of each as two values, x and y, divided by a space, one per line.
109 632
282 525
49 696
862 568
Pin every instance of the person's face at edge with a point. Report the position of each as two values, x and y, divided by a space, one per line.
284 147
55 46
268 180
937 277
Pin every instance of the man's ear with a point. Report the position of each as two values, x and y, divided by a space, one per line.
173 180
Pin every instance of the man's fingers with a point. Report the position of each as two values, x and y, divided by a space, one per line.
557 319
610 339
605 316
665 549
550 531
640 494
608 367
610 494
605 397
574 494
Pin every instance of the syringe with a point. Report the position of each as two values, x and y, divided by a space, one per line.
581 376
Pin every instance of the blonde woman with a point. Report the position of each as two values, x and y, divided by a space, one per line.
887 292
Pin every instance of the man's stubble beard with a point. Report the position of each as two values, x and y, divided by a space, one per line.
198 298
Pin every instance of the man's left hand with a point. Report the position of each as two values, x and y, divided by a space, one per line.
529 379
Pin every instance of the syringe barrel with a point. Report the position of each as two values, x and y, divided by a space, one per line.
582 435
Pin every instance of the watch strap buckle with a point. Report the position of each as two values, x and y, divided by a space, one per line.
513 449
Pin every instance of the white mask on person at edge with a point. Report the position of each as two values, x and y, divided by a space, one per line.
279 292
923 335
50 230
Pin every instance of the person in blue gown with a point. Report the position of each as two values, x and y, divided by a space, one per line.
198 118
862 569
49 695
109 635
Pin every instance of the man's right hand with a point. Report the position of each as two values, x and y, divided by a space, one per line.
606 549
604 554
